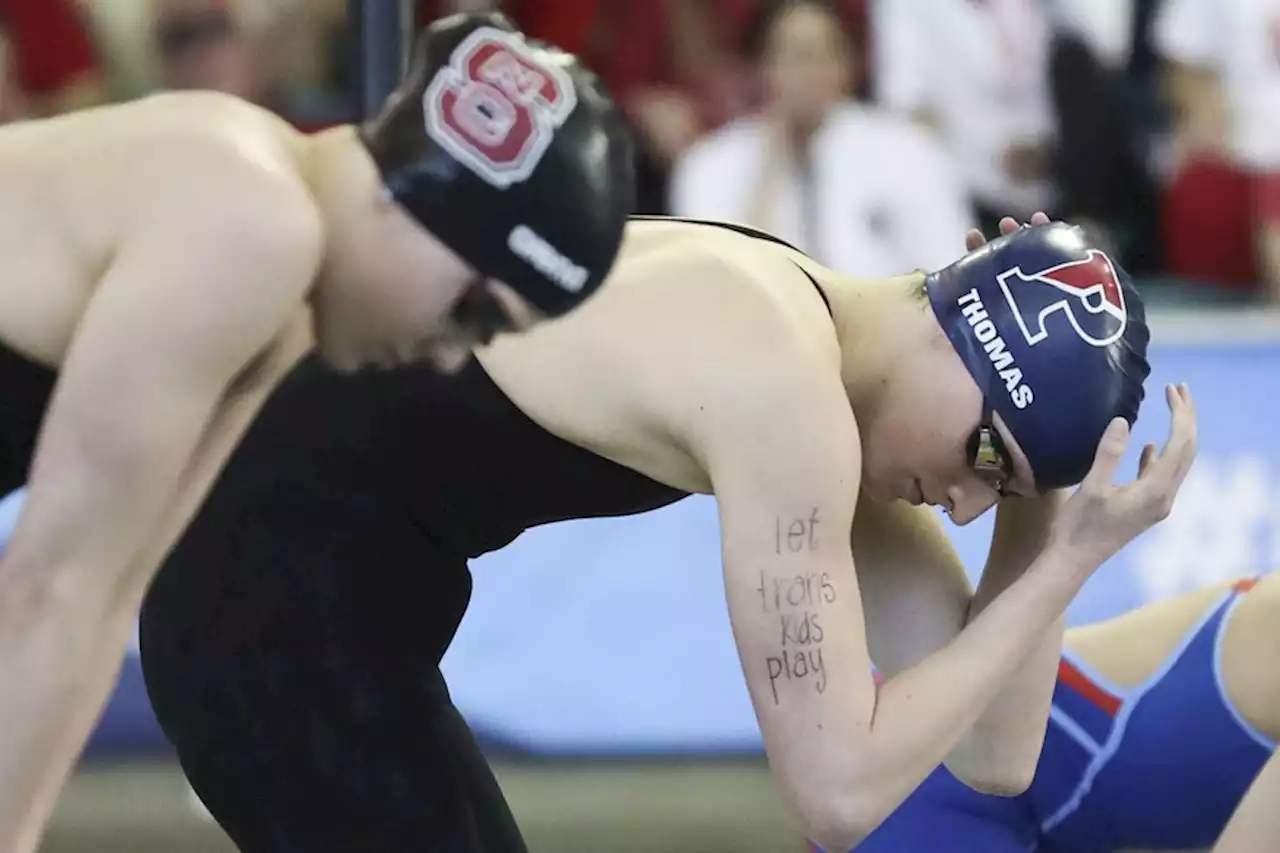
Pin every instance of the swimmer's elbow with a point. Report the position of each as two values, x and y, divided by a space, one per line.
996 760
997 786
840 823
1005 780
1005 788
845 814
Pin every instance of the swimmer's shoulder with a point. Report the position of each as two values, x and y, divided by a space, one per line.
164 119
215 125
208 111
233 155
681 291
207 169
691 316
747 279
759 363
130 153
200 176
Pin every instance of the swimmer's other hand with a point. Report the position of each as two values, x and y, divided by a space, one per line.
975 239
1102 517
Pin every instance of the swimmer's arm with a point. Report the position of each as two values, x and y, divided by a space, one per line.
1255 826
237 411
918 599
784 463
174 320
1000 754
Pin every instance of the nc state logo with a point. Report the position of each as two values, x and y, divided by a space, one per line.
496 106
1087 292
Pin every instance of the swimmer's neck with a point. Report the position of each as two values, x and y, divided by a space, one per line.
880 324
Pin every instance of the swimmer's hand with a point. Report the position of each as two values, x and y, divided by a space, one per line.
1101 517
975 239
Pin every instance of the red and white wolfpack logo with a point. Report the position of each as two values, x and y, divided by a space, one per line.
496 107
1087 292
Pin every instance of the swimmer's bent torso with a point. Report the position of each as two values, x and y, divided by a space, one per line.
291 643
168 260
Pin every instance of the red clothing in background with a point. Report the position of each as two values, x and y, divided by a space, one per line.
1209 224
636 48
564 23
52 43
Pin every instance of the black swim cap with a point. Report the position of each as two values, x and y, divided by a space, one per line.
512 154
1055 334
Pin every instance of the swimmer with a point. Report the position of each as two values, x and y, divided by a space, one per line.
1164 724
160 260
291 643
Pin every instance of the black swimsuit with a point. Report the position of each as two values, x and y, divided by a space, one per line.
25 389
291 642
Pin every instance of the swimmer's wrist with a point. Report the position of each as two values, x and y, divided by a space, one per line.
1023 524
1065 562
1032 507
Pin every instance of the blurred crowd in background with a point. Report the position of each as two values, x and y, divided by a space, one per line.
871 133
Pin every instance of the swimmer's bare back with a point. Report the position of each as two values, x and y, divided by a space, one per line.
709 363
717 295
158 256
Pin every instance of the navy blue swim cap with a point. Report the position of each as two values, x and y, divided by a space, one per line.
1055 335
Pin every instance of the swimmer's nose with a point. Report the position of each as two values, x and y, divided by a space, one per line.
965 505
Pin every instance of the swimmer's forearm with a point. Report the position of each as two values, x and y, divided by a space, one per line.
65 662
923 713
67 603
60 653
1255 826
241 405
1000 753
64 590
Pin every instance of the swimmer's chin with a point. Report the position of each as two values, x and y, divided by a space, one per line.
449 362
348 364
446 362
340 364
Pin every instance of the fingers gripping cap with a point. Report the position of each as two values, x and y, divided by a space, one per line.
512 154
1055 335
